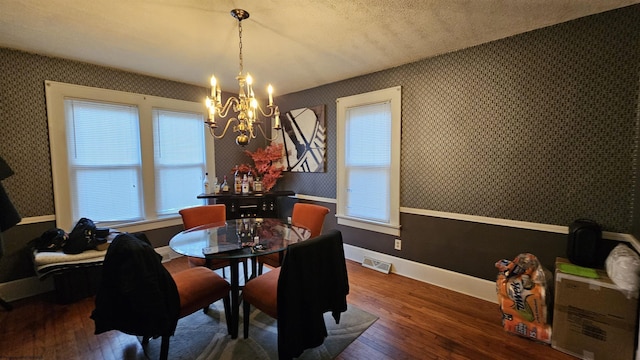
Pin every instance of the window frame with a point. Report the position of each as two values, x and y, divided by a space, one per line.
392 95
57 93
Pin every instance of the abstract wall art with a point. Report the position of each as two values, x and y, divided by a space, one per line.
303 136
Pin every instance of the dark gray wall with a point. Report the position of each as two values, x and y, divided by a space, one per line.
539 127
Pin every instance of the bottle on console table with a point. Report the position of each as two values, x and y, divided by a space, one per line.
225 186
245 185
257 185
237 182
250 178
216 186
205 184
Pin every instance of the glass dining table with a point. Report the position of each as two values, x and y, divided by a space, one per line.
237 240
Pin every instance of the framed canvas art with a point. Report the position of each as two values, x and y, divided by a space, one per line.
303 136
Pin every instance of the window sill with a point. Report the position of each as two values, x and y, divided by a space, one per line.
145 225
388 229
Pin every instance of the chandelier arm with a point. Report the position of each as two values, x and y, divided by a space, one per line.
223 111
271 111
265 135
226 127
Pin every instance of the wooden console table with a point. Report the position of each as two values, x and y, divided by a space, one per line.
263 205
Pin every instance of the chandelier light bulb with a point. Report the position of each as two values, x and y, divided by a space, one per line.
213 87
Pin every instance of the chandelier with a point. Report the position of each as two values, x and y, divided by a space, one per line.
246 109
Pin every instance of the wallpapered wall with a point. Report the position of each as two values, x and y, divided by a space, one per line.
24 142
539 127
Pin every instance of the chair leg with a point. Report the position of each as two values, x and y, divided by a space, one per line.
164 347
260 266
223 273
246 307
227 312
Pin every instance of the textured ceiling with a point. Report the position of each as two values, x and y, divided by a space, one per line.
295 45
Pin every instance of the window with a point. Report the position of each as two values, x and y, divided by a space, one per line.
179 157
98 172
121 158
368 169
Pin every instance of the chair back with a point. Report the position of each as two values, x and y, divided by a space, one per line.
201 215
309 216
313 280
137 294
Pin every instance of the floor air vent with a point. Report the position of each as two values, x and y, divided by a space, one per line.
377 265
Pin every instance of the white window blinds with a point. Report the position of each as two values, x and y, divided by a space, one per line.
179 153
103 142
368 161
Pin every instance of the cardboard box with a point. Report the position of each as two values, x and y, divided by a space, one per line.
593 318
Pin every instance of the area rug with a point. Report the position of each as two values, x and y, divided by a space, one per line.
204 336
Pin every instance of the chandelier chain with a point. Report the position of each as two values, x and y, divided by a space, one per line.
240 45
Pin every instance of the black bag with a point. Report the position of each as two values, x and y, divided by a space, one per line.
50 240
584 243
81 238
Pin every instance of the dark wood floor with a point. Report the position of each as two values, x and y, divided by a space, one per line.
416 321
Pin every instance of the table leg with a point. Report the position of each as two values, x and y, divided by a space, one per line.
235 298
254 267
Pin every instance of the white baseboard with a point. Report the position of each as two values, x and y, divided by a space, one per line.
24 288
465 284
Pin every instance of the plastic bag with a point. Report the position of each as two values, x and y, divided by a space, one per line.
623 267
523 296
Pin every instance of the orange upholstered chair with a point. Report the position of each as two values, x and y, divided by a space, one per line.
308 216
198 287
311 281
201 215
138 296
207 214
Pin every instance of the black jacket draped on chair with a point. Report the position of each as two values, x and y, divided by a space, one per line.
137 294
310 285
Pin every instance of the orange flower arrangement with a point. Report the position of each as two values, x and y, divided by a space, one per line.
266 166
